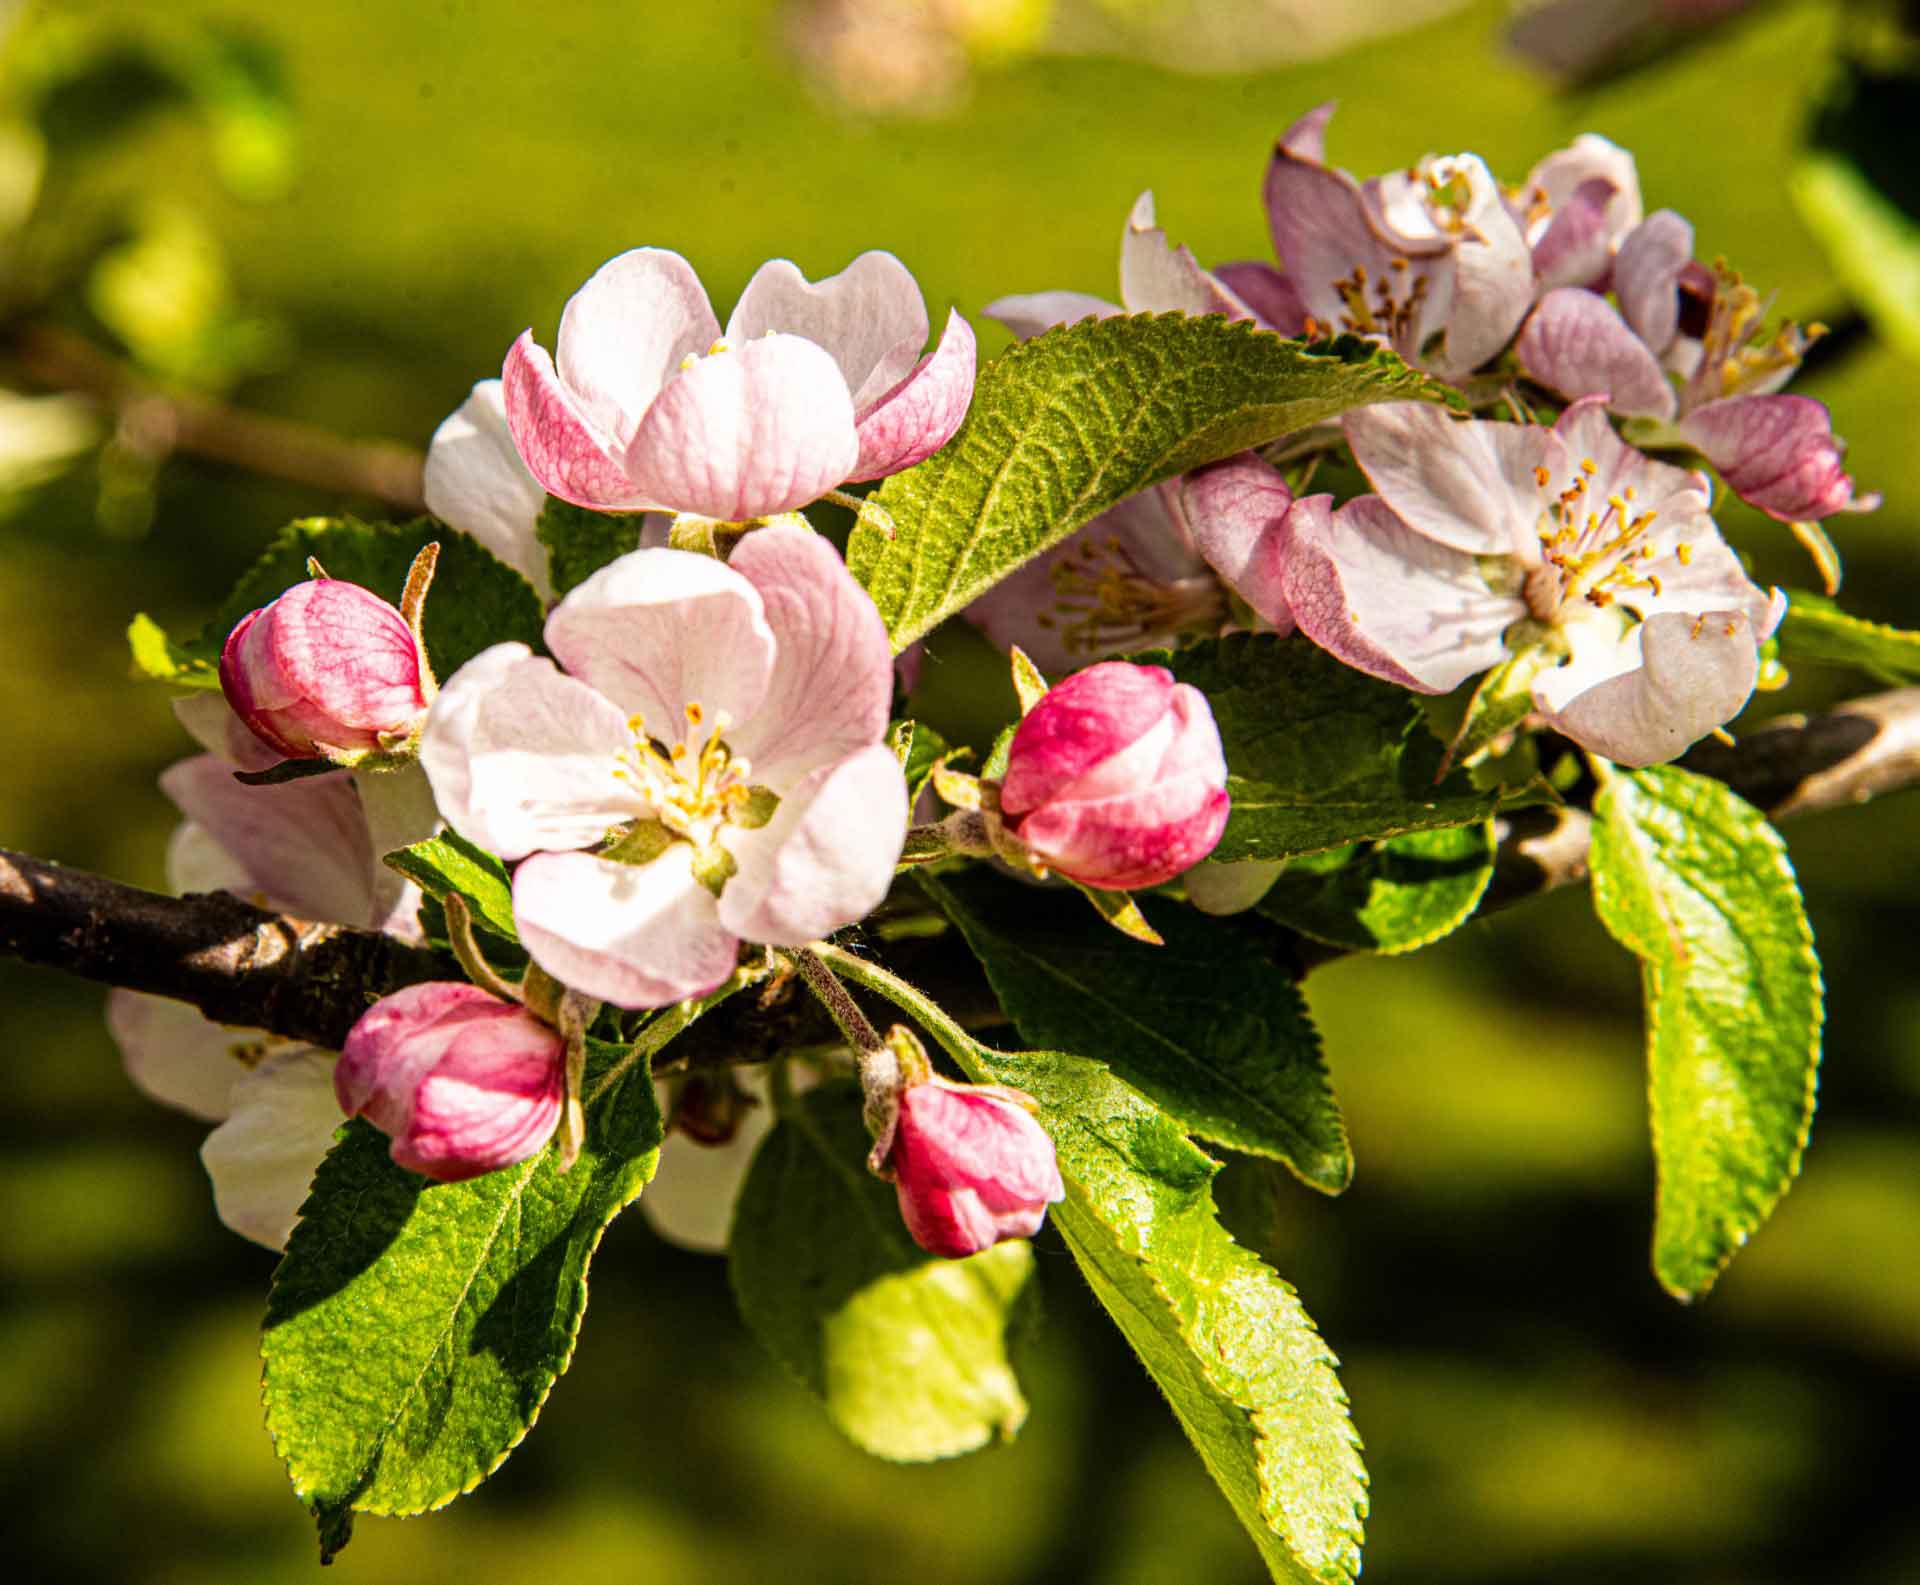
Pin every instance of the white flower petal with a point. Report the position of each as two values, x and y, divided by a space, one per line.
263 1157
690 1200
476 482
210 720
399 810
832 681
1027 314
870 318
659 629
825 859
1469 484
636 935
623 334
175 1054
522 758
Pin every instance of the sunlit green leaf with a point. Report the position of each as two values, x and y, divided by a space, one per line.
1815 629
1068 424
1387 896
1698 886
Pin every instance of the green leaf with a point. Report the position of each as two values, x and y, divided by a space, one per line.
450 863
579 542
158 658
1815 629
477 600
1074 421
1698 886
1857 189
414 1328
908 1352
1226 1339
1203 1024
1390 896
1319 755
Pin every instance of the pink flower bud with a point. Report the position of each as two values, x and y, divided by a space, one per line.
1116 778
327 671
462 1082
971 1167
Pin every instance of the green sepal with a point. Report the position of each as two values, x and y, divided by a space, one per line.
637 842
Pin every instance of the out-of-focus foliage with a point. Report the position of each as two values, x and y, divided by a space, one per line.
1535 1409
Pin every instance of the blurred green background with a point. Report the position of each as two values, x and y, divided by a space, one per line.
1534 1409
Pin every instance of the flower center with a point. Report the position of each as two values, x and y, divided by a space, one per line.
1103 602
1732 346
1388 307
694 791
714 351
1592 550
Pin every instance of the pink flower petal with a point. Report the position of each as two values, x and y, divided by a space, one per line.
636 935
303 844
1575 344
870 318
493 1099
1667 684
1135 839
1157 275
1492 276
1575 249
522 758
565 450
476 481
1273 295
658 630
750 431
1027 314
914 419
1237 511
397 1041
1306 139
1589 157
1778 453
1646 277
263 1157
624 334
1469 484
824 626
1392 602
827 856
210 721
1082 722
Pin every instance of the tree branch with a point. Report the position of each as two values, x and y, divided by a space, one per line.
156 421
246 966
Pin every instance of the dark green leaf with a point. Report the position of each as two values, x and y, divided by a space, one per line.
1815 629
908 1352
415 1329
1387 896
1204 1025
450 863
1068 424
1318 755
477 600
1699 887
579 542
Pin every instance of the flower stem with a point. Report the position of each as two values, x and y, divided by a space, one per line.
916 1004
467 950
669 1022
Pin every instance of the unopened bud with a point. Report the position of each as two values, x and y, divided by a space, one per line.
327 671
462 1082
970 1166
1116 778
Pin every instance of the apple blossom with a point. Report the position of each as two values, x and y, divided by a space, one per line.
327 671
970 1166
1777 453
1116 778
687 782
1486 539
475 481
1574 208
462 1082
647 404
1429 251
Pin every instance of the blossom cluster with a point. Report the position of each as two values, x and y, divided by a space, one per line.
697 776
1560 547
